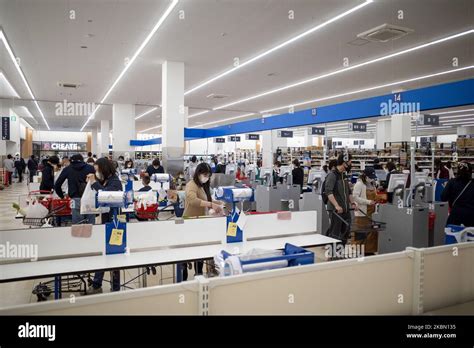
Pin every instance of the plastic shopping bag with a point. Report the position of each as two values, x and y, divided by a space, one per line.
36 210
88 201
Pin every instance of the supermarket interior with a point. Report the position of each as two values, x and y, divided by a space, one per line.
237 157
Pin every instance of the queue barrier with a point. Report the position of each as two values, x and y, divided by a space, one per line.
413 281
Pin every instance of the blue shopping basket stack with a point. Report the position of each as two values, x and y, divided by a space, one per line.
458 234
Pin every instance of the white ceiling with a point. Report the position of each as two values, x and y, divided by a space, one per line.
208 39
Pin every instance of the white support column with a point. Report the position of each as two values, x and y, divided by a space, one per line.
173 116
383 133
308 137
104 138
124 129
94 141
267 152
400 128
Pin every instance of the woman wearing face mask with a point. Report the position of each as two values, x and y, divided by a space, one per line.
459 192
105 179
198 202
364 194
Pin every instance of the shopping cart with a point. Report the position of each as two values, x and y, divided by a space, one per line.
47 221
360 230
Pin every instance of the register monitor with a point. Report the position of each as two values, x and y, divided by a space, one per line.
397 181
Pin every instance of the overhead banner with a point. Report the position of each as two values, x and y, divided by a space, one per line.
5 128
252 136
357 127
285 134
219 140
429 120
317 130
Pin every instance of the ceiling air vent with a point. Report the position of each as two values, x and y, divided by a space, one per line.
69 85
217 96
384 33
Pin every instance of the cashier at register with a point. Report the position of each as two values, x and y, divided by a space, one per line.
198 202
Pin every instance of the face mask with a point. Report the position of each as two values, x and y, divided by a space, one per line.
99 175
203 179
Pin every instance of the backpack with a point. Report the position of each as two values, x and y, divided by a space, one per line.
323 189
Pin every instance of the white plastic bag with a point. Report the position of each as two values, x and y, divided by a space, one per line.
36 210
88 201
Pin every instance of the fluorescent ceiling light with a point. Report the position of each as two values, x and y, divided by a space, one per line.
23 112
146 113
17 66
369 89
373 88
227 119
26 123
442 118
430 127
451 112
280 46
134 57
356 66
10 91
199 113
146 130
459 122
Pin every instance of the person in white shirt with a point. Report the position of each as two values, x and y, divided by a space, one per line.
364 194
9 166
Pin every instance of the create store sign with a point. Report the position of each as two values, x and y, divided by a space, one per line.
63 146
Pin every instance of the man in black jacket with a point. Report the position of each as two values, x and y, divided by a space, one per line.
340 200
20 167
47 174
32 167
75 174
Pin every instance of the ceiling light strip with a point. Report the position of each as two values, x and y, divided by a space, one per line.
146 130
276 48
17 66
450 112
134 57
146 113
368 89
336 72
373 88
227 119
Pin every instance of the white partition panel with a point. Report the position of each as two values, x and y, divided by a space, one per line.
169 233
177 299
448 275
57 241
377 285
268 225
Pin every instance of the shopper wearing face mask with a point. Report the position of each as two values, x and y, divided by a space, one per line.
105 179
75 174
198 202
340 199
364 195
